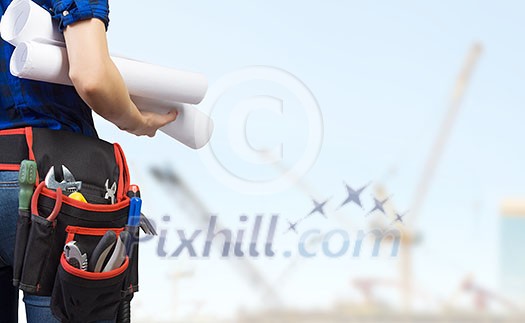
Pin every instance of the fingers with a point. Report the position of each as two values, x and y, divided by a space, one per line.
160 120
167 118
170 117
154 121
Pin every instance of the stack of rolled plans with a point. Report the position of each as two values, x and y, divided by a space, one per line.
40 55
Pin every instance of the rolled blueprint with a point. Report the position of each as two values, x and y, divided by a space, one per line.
153 81
40 62
25 20
48 63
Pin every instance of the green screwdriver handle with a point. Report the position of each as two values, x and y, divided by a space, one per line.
26 180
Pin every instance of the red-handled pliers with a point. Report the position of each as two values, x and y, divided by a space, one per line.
58 203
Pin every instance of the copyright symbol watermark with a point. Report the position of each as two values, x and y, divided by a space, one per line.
269 127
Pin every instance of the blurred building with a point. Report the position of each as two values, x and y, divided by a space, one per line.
512 249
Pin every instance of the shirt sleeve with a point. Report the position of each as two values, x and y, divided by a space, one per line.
68 12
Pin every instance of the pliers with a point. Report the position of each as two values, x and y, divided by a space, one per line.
56 208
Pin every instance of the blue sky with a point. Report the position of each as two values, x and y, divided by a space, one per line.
383 73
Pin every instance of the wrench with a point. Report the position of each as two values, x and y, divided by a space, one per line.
69 184
75 257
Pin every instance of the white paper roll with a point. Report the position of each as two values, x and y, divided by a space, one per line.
25 20
40 62
48 63
192 127
142 79
162 83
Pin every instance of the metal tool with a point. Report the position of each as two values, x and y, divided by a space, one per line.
68 184
26 179
110 191
132 229
118 255
58 203
147 226
145 223
100 254
74 256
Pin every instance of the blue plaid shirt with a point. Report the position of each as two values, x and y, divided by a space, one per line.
44 105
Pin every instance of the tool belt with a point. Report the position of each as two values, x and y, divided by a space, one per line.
40 266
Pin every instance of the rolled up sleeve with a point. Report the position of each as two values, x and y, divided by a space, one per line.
68 12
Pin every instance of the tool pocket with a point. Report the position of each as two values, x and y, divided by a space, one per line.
83 296
23 226
35 277
77 298
132 280
35 241
34 249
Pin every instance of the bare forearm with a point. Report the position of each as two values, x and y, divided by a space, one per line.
95 76
99 83
112 100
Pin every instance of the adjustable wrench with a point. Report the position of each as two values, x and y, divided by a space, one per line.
68 184
75 257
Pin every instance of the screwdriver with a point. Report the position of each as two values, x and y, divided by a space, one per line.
145 223
133 224
135 204
26 180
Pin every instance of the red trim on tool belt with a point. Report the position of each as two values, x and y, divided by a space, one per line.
72 230
124 180
29 140
9 132
92 276
87 206
10 167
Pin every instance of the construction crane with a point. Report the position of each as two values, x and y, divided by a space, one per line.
408 235
176 278
167 176
429 170
366 287
482 296
310 192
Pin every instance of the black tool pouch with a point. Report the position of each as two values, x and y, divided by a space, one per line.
82 296
55 219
